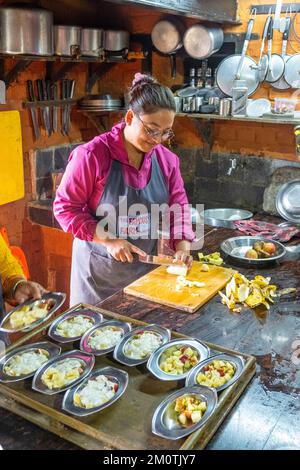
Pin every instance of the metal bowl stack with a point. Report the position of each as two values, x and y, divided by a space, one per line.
96 103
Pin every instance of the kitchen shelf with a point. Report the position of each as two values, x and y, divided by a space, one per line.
292 121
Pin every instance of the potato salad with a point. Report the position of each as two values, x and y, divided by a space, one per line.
74 326
142 344
105 338
97 391
178 359
216 374
26 362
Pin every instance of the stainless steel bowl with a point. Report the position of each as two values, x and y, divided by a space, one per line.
288 201
236 247
95 317
224 217
164 422
84 343
237 361
153 364
51 348
119 377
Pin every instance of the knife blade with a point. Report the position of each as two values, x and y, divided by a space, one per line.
46 110
55 108
33 111
63 108
175 266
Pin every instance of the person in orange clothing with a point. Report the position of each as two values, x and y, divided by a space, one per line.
14 287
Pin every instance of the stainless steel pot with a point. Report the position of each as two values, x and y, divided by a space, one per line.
201 42
26 31
167 38
67 40
116 40
92 41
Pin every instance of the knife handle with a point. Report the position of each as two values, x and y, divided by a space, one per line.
54 91
44 89
30 90
39 86
64 89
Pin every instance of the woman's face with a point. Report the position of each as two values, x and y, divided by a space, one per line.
148 130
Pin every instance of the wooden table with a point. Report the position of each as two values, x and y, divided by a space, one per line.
267 416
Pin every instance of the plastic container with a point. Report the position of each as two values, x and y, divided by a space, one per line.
284 105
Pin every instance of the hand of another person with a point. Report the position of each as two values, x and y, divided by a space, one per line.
121 250
28 290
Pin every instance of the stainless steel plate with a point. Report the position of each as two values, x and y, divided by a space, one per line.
84 343
224 217
119 377
153 364
237 361
95 317
87 360
119 352
57 299
51 348
236 248
164 422
288 201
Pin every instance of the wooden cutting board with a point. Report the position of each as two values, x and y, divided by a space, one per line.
11 157
159 286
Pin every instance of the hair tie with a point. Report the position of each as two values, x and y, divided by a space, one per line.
138 77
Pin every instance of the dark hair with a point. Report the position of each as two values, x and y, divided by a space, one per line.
146 95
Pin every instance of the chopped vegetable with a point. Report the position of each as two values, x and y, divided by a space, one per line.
212 258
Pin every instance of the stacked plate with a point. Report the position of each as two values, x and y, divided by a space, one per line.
96 103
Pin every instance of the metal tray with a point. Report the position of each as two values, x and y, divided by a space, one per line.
84 346
135 408
95 317
51 348
118 376
236 247
224 217
58 300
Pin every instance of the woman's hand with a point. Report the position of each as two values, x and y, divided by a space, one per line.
121 250
26 290
183 252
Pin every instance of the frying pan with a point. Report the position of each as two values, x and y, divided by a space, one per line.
238 67
276 62
282 84
167 38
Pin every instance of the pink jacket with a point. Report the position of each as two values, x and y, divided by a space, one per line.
83 182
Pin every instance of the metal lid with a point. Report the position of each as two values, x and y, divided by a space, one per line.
288 201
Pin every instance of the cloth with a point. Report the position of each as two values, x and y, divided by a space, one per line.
84 180
10 269
95 275
267 230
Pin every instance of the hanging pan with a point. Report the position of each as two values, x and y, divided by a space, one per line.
263 61
276 62
238 67
167 38
282 84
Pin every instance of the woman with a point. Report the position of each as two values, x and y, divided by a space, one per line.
126 166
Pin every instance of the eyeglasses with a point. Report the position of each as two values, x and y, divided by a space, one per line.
156 134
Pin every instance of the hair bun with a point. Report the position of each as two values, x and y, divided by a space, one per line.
140 78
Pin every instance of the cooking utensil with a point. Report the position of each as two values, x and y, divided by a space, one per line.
33 111
167 38
224 217
263 61
116 40
67 40
92 42
64 95
236 247
11 157
160 286
55 108
238 67
26 30
276 62
45 112
70 92
288 201
201 41
282 84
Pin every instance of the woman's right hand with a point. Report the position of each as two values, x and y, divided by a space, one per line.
121 250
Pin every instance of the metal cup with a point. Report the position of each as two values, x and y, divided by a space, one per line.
178 103
215 101
225 107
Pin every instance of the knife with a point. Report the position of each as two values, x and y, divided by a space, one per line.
33 111
42 94
70 92
177 266
55 108
64 95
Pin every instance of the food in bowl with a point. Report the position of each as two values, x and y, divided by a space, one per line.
28 314
74 326
63 373
261 250
189 410
26 362
178 359
142 344
105 338
97 392
216 374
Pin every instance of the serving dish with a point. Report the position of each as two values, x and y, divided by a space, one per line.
94 340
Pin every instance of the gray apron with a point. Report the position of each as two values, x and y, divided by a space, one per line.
95 274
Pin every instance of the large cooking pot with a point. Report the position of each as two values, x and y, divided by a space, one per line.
26 31
167 38
67 40
201 42
91 41
116 40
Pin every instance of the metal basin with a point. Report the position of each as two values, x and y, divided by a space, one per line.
224 217
236 247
